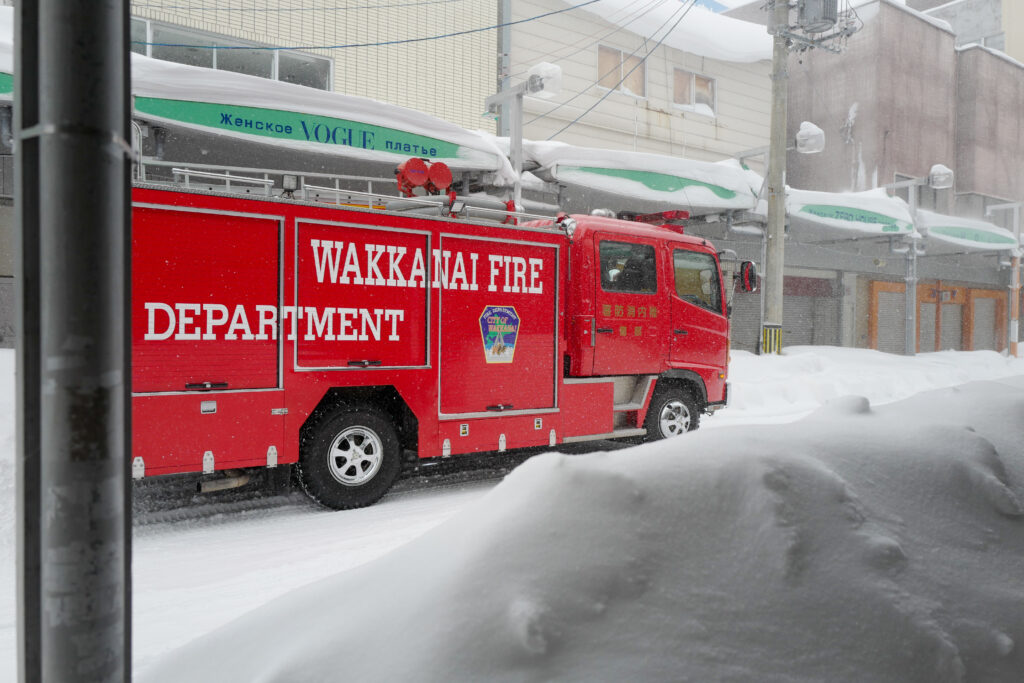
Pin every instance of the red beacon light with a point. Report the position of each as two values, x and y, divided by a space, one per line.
415 172
663 218
439 177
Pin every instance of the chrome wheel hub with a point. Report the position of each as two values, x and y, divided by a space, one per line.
355 456
674 419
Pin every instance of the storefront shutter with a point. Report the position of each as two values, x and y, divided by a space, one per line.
984 323
892 322
952 327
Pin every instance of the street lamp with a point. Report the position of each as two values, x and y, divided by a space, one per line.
939 178
1014 274
810 139
544 77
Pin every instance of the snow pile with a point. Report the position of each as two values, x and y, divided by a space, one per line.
879 544
771 388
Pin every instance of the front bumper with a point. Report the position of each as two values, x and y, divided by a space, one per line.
718 405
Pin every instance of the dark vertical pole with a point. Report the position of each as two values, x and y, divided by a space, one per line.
26 278
73 340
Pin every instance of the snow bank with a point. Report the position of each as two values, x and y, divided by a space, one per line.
877 544
775 388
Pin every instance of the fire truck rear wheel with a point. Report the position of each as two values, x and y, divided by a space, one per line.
350 458
673 412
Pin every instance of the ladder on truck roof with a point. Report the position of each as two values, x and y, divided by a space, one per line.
327 188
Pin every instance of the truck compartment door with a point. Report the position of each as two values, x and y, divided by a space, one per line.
205 294
361 297
206 342
498 332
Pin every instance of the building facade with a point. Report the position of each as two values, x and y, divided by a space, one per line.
435 57
910 92
670 101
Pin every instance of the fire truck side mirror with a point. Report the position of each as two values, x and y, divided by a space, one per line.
748 276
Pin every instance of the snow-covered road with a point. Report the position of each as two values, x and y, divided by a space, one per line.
193 573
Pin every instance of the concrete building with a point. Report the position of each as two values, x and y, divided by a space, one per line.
908 92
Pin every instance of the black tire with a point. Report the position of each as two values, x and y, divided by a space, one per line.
673 412
349 457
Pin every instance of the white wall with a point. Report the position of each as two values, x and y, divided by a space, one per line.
649 124
448 78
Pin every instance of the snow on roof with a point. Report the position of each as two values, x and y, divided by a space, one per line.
697 185
934 21
862 543
999 54
953 233
871 213
319 119
702 32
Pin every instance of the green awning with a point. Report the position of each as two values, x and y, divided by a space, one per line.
291 126
831 215
948 234
618 179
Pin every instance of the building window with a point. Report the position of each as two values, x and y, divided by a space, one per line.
617 70
694 92
281 65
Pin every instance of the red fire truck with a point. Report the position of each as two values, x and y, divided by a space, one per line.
342 339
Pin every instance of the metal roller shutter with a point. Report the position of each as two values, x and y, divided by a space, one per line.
826 321
797 321
952 327
892 322
745 321
926 327
984 324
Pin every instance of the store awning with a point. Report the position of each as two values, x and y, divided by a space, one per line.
621 180
828 216
285 115
952 234
302 118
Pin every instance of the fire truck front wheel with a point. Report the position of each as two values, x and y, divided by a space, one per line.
673 412
350 458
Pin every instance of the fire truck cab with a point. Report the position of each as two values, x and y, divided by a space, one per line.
347 339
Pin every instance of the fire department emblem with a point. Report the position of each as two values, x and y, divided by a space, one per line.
499 329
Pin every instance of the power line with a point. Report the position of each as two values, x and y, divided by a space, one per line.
200 8
601 77
643 60
379 44
646 9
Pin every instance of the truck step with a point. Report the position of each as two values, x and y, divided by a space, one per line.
617 434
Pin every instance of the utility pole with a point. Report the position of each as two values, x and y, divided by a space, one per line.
771 331
820 24
72 200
